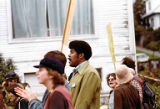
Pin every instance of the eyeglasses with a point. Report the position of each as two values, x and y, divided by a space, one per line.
111 79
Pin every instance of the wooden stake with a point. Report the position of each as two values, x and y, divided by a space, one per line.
68 22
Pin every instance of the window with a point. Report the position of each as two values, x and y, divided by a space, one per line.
152 22
46 18
99 72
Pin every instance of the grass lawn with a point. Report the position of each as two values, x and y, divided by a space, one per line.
150 55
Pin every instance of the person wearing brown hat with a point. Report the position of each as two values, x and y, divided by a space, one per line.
50 75
125 95
137 82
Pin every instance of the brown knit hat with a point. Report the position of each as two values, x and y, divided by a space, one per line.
123 74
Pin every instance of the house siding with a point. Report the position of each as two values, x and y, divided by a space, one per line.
153 12
27 52
156 21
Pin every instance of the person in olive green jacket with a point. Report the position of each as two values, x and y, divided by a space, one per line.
85 82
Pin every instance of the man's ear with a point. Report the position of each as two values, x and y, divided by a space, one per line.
81 55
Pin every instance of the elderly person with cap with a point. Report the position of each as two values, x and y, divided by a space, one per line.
125 95
50 75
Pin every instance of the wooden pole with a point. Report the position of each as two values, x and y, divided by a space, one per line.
68 22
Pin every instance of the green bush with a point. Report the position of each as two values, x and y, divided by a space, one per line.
6 65
154 45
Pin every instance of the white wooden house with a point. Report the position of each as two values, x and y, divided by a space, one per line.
152 14
30 28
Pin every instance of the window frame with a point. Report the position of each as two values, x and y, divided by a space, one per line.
12 40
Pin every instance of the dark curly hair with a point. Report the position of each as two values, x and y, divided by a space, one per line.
81 47
128 62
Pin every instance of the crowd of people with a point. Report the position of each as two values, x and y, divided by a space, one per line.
81 90
127 88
